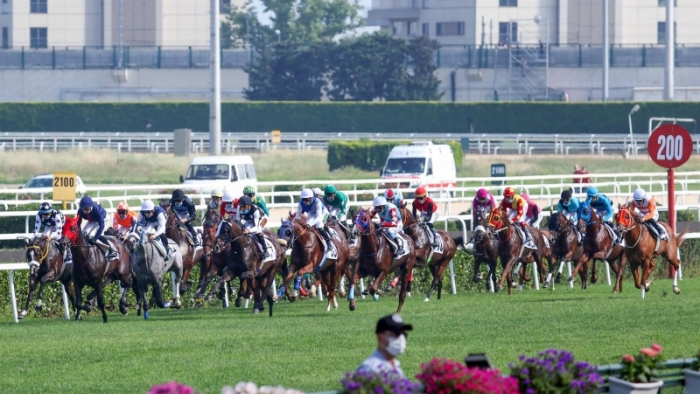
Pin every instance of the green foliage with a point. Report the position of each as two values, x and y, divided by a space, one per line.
643 367
370 155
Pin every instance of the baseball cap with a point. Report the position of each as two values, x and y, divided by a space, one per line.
393 323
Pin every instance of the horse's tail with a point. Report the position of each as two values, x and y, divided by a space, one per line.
680 238
458 240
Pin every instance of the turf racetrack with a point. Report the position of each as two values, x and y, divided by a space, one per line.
304 347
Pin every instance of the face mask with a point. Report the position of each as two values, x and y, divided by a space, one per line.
509 200
178 204
245 211
397 345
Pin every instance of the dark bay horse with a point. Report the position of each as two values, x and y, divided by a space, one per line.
307 253
90 268
511 248
485 251
598 245
245 256
176 231
45 266
564 247
640 248
436 262
376 258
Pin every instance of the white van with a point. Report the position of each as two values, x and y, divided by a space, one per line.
220 172
432 166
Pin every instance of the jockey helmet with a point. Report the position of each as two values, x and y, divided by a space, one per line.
420 192
217 193
509 192
639 194
147 206
228 196
248 190
389 194
380 201
307 193
123 206
482 194
86 202
566 195
330 189
592 191
178 194
244 201
45 208
318 192
525 196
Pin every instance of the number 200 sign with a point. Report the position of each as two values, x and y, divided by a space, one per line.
670 146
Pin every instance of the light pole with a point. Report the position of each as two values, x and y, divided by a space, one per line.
538 19
277 31
634 148
606 51
215 80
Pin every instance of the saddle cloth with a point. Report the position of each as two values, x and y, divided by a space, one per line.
270 249
398 241
611 232
653 231
188 237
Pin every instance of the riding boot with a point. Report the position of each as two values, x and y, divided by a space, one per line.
399 247
660 230
261 239
111 253
579 237
433 244
164 241
528 236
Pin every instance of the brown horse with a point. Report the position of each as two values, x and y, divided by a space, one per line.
307 254
511 248
175 230
436 262
90 268
376 258
245 257
640 248
598 245
563 238
46 265
485 251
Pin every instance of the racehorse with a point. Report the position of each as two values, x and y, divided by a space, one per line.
246 257
511 248
46 265
308 253
91 268
425 256
641 248
564 247
149 267
485 251
598 244
175 230
376 258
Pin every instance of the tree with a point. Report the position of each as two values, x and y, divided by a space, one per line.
422 84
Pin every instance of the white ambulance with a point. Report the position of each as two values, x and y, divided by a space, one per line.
428 165
220 172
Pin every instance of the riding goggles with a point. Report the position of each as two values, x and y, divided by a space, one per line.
122 213
86 209
147 212
177 202
306 201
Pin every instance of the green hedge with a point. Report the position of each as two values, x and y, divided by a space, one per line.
371 155
375 117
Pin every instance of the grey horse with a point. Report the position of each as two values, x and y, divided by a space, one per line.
149 268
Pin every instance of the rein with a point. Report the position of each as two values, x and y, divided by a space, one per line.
43 253
638 238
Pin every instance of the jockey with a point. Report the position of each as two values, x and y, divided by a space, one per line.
186 212
123 220
532 216
395 197
250 216
483 202
315 211
153 217
390 217
568 207
601 203
216 196
229 206
95 216
53 221
515 207
257 200
428 212
318 193
647 212
337 203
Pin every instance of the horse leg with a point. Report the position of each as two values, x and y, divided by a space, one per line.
583 274
594 277
226 276
577 267
352 280
405 276
78 300
378 282
647 269
434 283
492 279
285 283
68 285
139 296
202 289
506 273
158 292
32 286
476 278
185 281
143 291
673 256
101 301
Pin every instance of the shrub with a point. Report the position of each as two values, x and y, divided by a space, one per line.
555 372
443 376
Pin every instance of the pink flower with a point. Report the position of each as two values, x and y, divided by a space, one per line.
628 358
649 352
657 347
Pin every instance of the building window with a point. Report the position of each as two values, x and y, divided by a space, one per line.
5 38
449 29
661 32
38 37
38 6
510 3
426 3
426 29
503 32
225 7
662 3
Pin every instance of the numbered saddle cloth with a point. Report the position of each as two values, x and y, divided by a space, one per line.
400 241
272 252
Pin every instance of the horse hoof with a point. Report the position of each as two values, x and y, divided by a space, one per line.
177 305
476 280
677 290
352 307
197 305
375 297
123 310
594 280
294 298
256 311
166 305
237 303
499 288
545 285
342 293
38 308
78 318
22 314
138 311
275 298
557 279
426 299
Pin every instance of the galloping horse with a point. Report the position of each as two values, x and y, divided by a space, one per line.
564 247
149 267
307 254
641 248
90 268
376 259
598 244
485 251
425 256
245 256
45 265
511 247
176 231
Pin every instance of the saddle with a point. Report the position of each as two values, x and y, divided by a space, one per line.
521 234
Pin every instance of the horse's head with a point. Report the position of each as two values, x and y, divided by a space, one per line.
625 220
481 216
363 221
557 225
586 216
36 253
497 220
286 231
212 215
480 234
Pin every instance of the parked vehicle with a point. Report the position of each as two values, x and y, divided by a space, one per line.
42 184
431 166
220 172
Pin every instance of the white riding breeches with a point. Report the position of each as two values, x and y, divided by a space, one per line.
335 212
252 227
90 228
424 217
393 231
512 213
655 217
